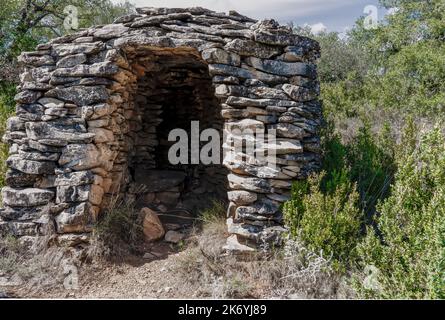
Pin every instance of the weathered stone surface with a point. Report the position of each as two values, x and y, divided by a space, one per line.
19 228
288 130
251 48
279 197
31 197
102 135
41 74
45 182
241 197
216 55
243 168
80 95
15 124
75 178
77 218
63 50
299 94
29 166
91 193
28 58
234 113
156 20
72 61
152 11
100 69
18 179
248 183
111 31
244 73
244 230
287 69
27 96
30 112
266 206
283 147
38 156
35 86
248 102
254 92
51 103
245 124
152 226
80 156
23 213
97 111
53 131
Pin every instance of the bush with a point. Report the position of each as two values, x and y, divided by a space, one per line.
408 251
7 92
371 166
328 211
328 222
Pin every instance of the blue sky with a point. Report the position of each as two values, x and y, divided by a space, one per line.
335 15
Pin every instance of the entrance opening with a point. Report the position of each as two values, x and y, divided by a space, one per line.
173 89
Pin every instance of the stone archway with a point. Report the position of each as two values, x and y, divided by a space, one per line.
95 107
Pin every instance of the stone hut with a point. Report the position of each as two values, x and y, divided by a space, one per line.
95 109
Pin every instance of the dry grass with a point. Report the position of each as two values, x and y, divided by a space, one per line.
289 272
202 269
30 266
119 232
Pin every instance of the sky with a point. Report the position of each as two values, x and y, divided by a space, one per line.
330 15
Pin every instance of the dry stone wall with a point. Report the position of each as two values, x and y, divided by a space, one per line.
90 107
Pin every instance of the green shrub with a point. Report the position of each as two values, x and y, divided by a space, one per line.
408 250
367 160
371 166
328 222
329 211
7 92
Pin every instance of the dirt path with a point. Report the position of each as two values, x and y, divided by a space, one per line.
136 278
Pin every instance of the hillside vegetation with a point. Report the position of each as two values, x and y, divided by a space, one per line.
378 207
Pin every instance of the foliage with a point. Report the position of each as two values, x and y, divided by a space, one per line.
215 213
367 160
328 211
396 67
7 92
409 250
24 24
328 222
371 165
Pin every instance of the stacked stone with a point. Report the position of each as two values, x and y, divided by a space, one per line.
75 127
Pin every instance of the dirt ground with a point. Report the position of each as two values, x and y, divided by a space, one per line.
136 278
196 268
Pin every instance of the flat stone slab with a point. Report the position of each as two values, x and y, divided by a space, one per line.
159 180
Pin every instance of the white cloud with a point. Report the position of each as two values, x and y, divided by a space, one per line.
318 28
